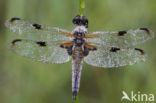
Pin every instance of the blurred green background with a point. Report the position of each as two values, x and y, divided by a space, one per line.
25 81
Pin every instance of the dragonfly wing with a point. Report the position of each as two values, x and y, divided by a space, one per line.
109 57
35 31
46 52
121 38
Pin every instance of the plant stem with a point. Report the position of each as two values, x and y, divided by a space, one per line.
81 6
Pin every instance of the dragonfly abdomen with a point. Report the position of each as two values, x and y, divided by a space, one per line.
76 70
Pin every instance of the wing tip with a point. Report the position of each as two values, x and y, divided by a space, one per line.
16 40
140 50
148 31
10 21
14 19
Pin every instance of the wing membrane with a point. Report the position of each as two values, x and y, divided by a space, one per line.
121 38
109 57
34 31
40 51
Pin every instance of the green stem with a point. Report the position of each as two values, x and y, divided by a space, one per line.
81 6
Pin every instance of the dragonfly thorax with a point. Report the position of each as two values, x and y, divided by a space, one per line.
79 34
78 42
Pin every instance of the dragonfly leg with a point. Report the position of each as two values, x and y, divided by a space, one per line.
86 51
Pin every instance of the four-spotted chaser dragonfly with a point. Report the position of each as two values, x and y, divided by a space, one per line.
101 48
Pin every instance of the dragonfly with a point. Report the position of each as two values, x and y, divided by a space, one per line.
104 49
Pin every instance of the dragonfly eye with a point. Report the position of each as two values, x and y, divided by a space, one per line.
76 19
80 20
85 21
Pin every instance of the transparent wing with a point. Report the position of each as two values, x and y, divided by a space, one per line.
40 51
34 31
109 57
121 38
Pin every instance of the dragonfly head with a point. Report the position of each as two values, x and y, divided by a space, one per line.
80 20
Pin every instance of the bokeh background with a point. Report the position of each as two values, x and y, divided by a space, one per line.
25 81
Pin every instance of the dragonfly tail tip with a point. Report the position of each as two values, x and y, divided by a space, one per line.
74 95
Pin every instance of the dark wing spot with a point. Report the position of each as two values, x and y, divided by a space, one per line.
114 49
61 46
37 26
140 50
41 43
121 33
64 46
13 19
16 40
94 49
145 29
